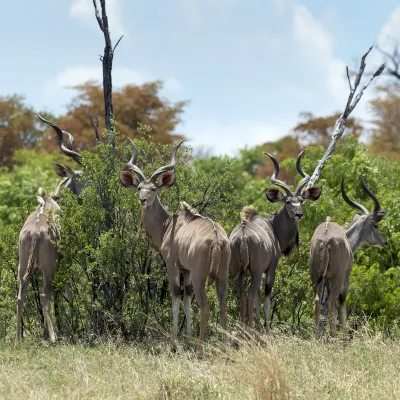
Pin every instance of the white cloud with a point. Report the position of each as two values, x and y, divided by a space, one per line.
172 85
57 91
72 76
388 39
281 6
390 30
229 138
197 12
315 45
83 9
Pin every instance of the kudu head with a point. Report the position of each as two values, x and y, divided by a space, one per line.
72 177
292 201
367 222
163 177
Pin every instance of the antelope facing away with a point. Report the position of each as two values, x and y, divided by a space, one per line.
332 255
257 242
38 248
187 241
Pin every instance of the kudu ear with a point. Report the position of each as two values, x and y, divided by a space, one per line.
63 171
167 179
128 180
274 195
312 194
379 215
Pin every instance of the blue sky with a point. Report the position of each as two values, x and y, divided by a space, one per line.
248 67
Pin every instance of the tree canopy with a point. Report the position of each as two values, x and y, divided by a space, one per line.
132 105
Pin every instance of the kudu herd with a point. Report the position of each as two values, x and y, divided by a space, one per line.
199 247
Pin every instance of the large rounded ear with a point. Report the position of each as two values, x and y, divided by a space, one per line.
274 195
312 194
128 180
63 171
167 179
379 215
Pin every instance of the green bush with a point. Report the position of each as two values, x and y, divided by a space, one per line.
118 283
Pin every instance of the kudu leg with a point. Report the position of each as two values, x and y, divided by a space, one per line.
257 304
317 311
200 294
331 305
22 286
47 292
221 286
254 288
317 307
175 288
343 313
240 290
269 283
187 301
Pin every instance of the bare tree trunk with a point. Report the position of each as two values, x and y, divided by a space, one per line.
340 124
107 60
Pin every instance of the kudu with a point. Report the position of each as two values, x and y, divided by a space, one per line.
257 242
187 241
38 240
332 255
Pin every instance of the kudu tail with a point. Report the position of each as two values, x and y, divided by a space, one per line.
323 263
215 262
244 254
33 257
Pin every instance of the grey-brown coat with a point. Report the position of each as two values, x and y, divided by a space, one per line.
189 242
257 242
332 251
38 249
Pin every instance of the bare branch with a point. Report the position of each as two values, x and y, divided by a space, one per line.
99 20
393 61
118 43
107 61
95 125
348 78
340 124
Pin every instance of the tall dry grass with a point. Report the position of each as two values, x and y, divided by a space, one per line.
274 367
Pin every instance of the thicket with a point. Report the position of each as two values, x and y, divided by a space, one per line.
118 283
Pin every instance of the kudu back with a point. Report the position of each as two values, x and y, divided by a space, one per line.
188 242
332 255
38 240
258 242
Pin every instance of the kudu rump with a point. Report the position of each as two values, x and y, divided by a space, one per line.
332 255
38 239
257 242
187 241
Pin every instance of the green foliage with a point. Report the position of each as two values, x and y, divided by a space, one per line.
118 282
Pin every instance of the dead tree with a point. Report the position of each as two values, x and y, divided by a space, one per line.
393 60
107 60
392 69
340 124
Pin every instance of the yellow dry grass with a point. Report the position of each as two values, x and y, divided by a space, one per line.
278 367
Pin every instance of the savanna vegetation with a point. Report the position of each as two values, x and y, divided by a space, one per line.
120 292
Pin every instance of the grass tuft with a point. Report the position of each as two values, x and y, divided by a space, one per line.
256 367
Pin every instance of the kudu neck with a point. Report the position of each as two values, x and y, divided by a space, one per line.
285 228
154 221
354 234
